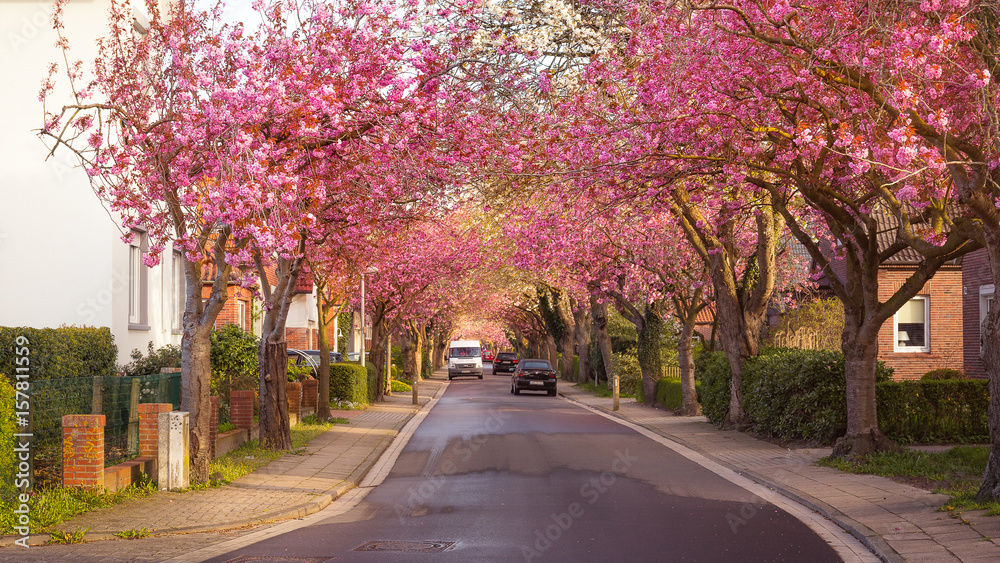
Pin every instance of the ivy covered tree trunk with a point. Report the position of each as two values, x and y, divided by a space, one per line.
989 490
599 314
409 347
650 361
583 328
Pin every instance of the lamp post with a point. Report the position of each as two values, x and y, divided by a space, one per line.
370 270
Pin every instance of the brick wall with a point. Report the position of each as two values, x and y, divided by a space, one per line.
148 438
975 273
241 408
946 324
300 338
230 311
83 450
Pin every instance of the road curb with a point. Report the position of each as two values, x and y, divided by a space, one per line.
859 531
321 501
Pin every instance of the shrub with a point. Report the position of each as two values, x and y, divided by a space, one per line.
597 362
348 382
712 370
668 392
629 374
372 381
943 374
168 356
7 429
788 393
62 352
235 364
798 394
951 410
400 386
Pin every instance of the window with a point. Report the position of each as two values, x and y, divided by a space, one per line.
137 283
986 294
912 324
241 314
177 291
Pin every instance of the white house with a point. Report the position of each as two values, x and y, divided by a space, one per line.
63 258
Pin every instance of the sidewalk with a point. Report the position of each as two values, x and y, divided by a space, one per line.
291 486
898 522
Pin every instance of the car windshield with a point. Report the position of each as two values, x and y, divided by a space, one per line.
471 352
536 364
506 356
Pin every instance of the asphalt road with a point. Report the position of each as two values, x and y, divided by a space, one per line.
489 476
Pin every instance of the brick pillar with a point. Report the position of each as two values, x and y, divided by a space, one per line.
294 391
148 434
241 408
213 424
310 393
83 450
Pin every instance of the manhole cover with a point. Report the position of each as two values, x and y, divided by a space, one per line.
397 545
277 559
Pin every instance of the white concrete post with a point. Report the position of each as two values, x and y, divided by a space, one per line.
174 447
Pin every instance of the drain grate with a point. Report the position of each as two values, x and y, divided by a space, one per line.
399 545
276 559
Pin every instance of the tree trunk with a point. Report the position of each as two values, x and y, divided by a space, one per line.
564 309
196 377
421 333
379 351
599 313
275 432
650 362
196 346
989 490
685 357
860 346
323 401
409 348
581 318
738 334
550 350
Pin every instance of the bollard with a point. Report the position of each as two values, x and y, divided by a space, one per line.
174 451
615 406
416 400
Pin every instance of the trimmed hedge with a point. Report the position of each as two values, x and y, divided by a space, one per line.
669 393
943 373
348 382
788 393
372 381
57 353
7 429
951 410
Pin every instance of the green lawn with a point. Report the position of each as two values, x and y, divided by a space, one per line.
956 472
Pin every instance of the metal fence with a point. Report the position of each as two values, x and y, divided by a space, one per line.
114 397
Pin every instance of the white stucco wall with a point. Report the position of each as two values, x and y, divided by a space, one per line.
62 255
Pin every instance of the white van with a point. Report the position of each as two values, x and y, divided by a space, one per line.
465 357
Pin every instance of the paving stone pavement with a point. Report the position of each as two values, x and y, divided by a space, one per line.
293 486
898 522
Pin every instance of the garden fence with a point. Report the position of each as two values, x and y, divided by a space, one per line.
114 397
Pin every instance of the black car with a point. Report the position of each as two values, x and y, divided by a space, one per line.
505 362
310 359
533 375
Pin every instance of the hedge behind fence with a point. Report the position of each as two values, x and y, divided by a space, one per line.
62 352
934 411
348 382
7 428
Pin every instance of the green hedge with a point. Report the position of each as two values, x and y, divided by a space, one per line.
372 381
629 374
669 394
934 411
788 393
58 353
8 462
348 382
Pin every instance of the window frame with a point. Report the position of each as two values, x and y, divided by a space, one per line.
138 283
927 328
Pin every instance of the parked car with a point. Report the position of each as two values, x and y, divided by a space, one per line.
533 375
334 356
505 362
487 356
302 358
